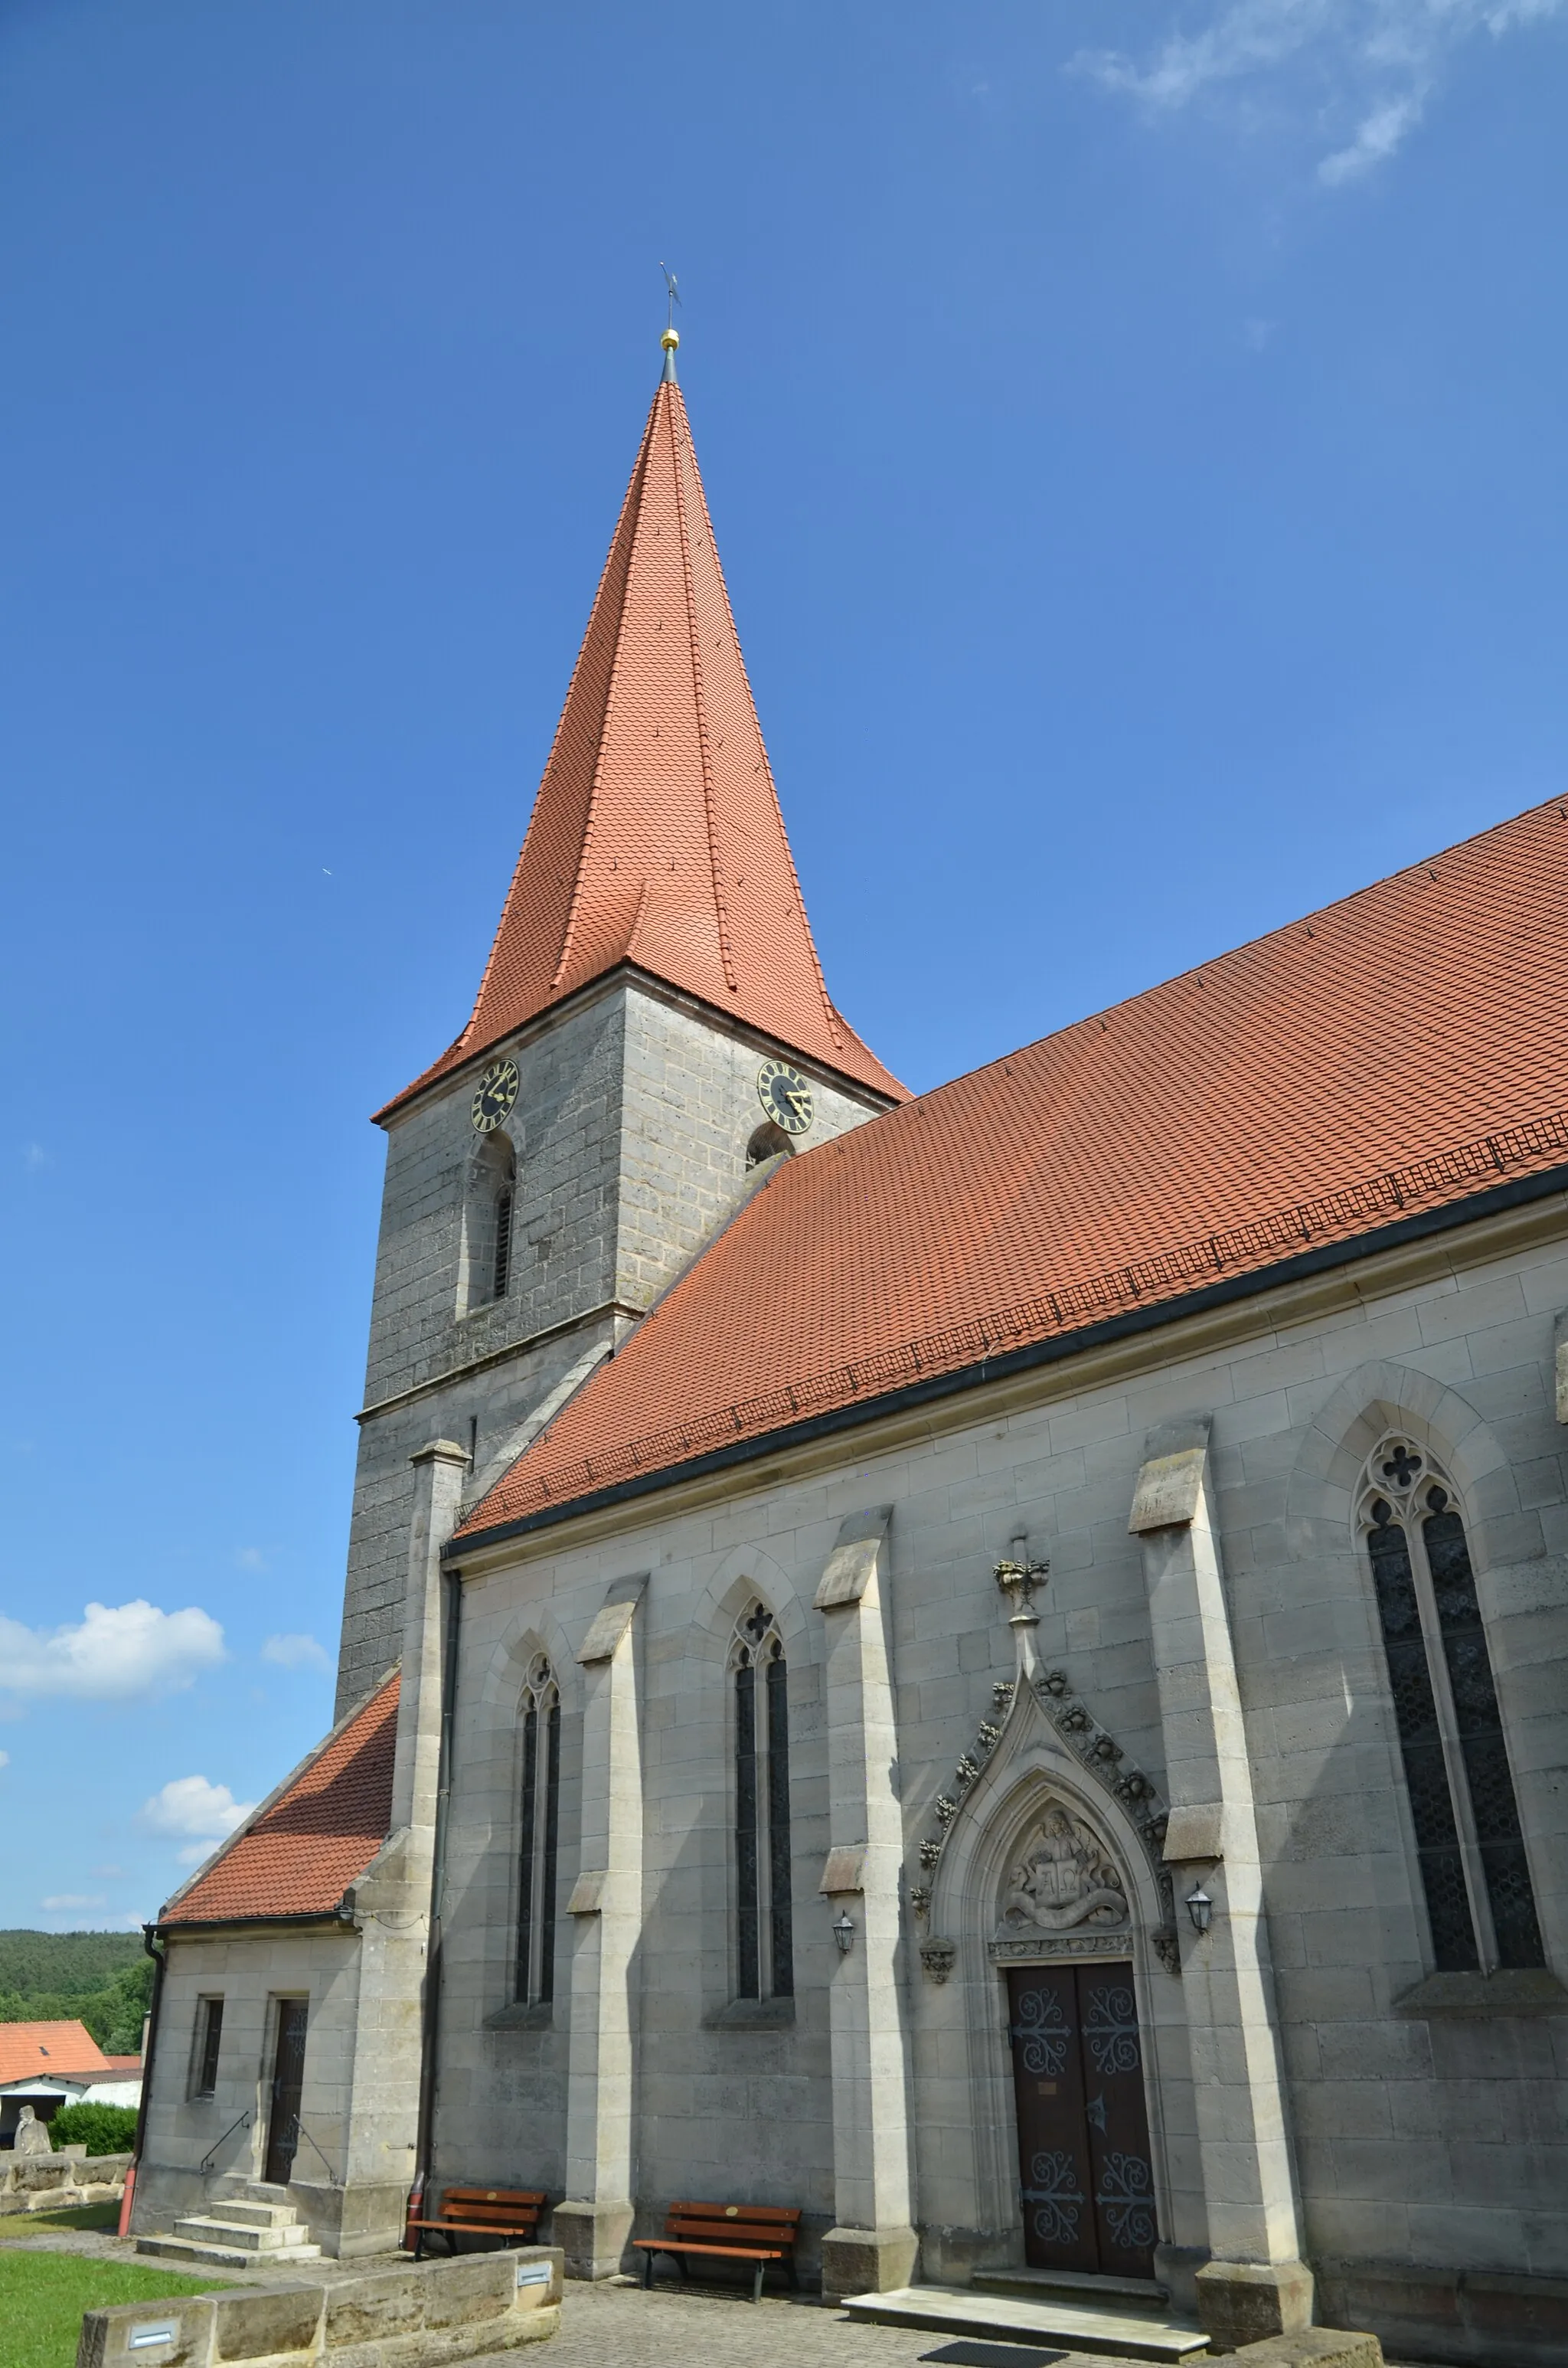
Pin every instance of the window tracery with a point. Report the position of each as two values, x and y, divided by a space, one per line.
764 1937
1469 1843
538 1832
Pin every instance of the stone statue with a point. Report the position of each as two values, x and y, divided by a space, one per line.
1062 1878
33 2136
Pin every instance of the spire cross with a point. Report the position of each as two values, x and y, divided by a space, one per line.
672 291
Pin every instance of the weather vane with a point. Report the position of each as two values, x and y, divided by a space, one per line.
671 337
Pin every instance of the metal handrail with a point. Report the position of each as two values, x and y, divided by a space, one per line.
207 2159
300 2131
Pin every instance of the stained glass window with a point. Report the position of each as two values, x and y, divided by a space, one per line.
539 1831
764 1939
1469 1843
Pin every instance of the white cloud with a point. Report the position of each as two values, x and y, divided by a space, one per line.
295 1653
249 1558
1360 70
63 1900
34 1157
112 1655
5 1760
189 1805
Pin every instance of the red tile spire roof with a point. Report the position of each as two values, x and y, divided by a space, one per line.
656 837
1400 1052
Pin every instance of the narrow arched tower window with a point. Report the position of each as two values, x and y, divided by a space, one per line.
764 1964
1469 1842
488 1206
503 1270
539 1827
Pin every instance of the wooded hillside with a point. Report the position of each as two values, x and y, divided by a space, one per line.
101 1979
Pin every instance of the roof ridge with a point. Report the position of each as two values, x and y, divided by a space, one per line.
630 511
835 1022
694 639
1227 954
296 1775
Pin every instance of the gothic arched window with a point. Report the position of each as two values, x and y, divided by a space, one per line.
539 1829
1467 1839
487 1223
765 1965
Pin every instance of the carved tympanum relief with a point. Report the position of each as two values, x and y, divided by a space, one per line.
1096 1929
1062 1878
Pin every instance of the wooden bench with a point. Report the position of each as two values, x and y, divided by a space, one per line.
757 2233
510 2212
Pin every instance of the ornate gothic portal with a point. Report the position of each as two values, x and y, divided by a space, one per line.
1085 2173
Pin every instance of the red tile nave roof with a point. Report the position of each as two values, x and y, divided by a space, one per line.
1404 1049
301 1850
656 837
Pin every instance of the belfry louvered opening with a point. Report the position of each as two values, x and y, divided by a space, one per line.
1470 1844
539 1829
765 1965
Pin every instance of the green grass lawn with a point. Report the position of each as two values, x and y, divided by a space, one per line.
42 2296
75 2215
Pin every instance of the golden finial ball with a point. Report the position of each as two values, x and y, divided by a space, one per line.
670 340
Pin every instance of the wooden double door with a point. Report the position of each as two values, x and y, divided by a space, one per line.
1086 2174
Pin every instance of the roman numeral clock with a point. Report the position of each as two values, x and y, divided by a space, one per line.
785 1095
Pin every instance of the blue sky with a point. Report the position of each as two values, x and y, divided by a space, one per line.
1135 440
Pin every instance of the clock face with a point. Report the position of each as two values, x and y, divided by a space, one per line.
497 1092
785 1095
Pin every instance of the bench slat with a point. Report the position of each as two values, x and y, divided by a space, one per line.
534 2195
732 2211
717 2252
488 2219
700 2232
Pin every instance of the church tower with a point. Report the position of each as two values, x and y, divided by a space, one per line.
651 1026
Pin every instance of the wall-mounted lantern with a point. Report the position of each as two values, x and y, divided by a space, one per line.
843 1932
1200 1907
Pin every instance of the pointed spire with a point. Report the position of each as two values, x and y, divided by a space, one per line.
656 837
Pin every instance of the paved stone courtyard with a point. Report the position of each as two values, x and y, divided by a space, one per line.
616 2324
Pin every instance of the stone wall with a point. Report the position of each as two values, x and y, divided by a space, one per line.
634 1112
423 2313
1432 2138
57 2182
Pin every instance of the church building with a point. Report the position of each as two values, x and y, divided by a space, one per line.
992 1666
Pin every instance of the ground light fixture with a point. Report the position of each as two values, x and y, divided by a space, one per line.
844 1933
1200 1907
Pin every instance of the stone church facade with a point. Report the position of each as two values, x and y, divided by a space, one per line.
989 1665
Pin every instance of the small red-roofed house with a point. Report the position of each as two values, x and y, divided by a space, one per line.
992 1667
47 2065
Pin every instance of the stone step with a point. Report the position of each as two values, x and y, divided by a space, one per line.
208 2228
1074 2285
1124 2332
243 2214
217 2257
